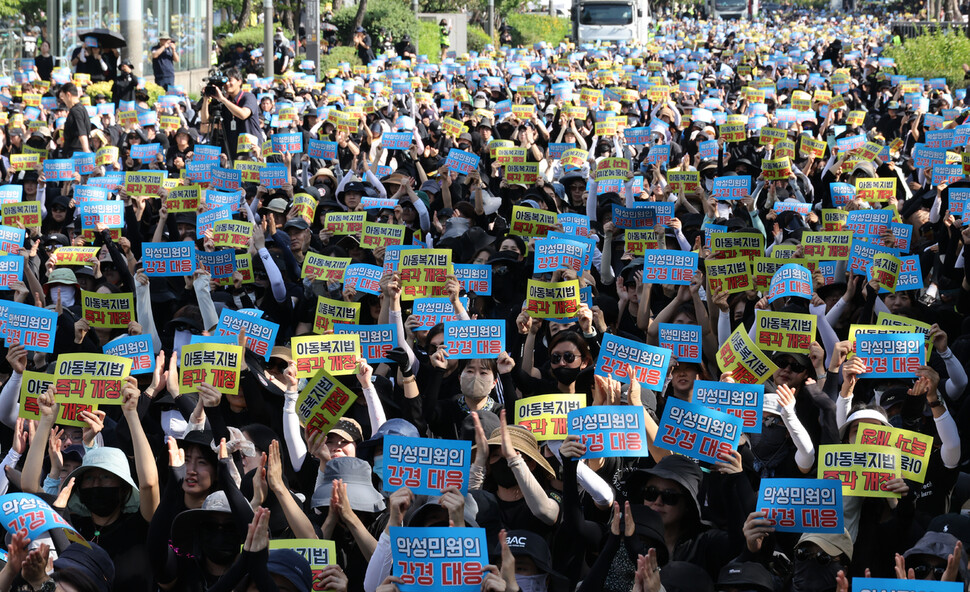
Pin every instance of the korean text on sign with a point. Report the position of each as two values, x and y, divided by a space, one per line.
802 505
426 466
696 431
93 379
683 341
439 558
260 334
610 430
375 340
649 363
546 415
669 267
863 470
322 402
896 355
914 447
214 364
468 340
337 353
137 348
744 401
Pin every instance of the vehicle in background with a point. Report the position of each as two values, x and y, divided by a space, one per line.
610 20
732 9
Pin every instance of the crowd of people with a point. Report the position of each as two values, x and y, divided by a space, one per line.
200 488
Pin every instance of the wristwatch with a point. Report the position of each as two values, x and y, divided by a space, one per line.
49 586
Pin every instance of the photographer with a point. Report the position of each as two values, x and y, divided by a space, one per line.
239 110
164 58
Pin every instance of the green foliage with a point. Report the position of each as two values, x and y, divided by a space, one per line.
104 88
933 56
528 29
338 55
247 36
154 91
393 15
429 41
477 38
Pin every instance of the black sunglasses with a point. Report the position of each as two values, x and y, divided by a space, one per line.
822 558
668 497
792 365
922 570
567 357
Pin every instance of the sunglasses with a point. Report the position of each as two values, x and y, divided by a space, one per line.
567 357
668 497
822 558
922 570
792 365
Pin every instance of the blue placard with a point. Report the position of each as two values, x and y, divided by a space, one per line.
392 255
910 275
145 152
473 340
473 278
428 312
574 224
868 222
946 173
426 466
663 211
683 341
206 152
11 193
84 162
610 430
558 253
790 279
850 143
375 340
273 175
215 199
226 179
842 194
658 154
110 213
260 334
322 149
696 431
633 218
802 505
903 233
452 559
731 188
557 148
59 169
896 355
862 253
396 140
924 156
649 363
219 264
137 348
26 511
744 401
707 150
661 266
364 277
168 259
890 585
290 142
211 339
199 171
31 326
11 270
11 239
461 162
205 220
640 136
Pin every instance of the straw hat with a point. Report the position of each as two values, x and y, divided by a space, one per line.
524 442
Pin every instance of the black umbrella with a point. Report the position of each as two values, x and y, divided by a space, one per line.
106 39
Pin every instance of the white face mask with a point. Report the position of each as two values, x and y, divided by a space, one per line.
66 294
531 583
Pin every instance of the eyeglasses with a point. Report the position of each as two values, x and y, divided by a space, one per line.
922 570
822 558
567 357
792 365
668 497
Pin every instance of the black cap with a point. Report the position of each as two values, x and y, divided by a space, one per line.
745 576
298 223
92 561
185 218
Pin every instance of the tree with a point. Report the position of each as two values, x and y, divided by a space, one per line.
361 9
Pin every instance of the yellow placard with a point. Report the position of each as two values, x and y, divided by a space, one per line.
34 383
885 270
770 136
776 169
424 272
318 553
742 358
785 331
728 245
684 181
914 448
376 235
834 219
451 127
216 364
183 199
250 170
75 255
810 147
531 222
108 311
510 155
612 168
552 300
329 312
304 206
733 132
90 379
827 245
106 155
144 183
729 275
337 354
875 189
234 234
545 415
322 402
863 470
345 223
24 162
639 241
574 157
324 268
21 214
763 268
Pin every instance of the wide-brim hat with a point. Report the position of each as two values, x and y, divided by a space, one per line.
112 460
187 525
356 474
524 442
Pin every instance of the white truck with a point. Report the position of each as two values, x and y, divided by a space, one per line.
610 20
732 9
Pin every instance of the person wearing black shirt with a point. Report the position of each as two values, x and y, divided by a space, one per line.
77 127
164 58
239 112
125 84
405 48
363 44
44 62
282 54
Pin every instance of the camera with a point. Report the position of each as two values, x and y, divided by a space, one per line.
215 80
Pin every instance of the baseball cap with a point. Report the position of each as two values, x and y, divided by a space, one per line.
348 429
298 223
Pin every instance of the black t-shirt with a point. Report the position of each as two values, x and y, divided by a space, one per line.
125 543
233 126
77 124
45 65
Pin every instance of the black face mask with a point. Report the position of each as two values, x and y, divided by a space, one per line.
101 501
811 576
220 547
566 375
502 473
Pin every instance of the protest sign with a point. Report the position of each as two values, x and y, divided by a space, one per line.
219 264
336 353
137 348
344 223
260 334
744 401
375 340
802 505
669 267
24 214
473 278
33 384
11 270
428 312
915 448
25 511
875 190
552 300
108 311
697 431
234 234
375 234
891 355
558 253
647 363
328 311
322 402
318 553
215 364
890 585
731 188
785 331
90 379
363 277
183 199
864 470
461 162
683 341
546 415
792 280
324 268
470 340
167 259
827 245
531 222
30 326
426 466
439 558
424 272
740 356
728 245
144 183
729 275
77 255
610 430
